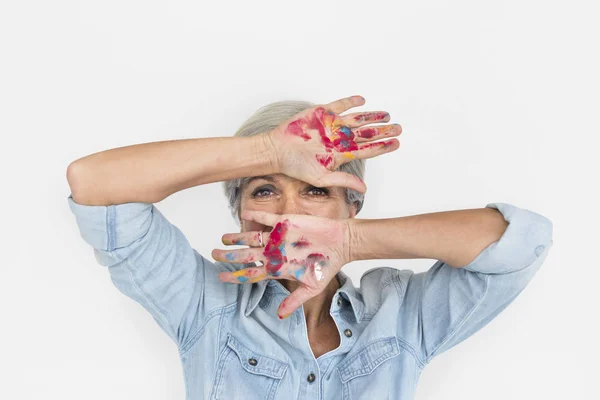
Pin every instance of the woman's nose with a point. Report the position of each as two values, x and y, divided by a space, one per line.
291 205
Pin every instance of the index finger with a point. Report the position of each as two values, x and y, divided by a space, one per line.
341 105
262 217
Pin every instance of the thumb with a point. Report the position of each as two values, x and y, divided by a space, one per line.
294 301
343 179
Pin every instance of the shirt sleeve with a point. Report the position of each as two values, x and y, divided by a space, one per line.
454 303
151 261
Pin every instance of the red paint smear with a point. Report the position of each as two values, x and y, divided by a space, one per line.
371 116
310 260
301 243
275 258
367 133
316 256
387 143
378 116
324 160
315 121
296 128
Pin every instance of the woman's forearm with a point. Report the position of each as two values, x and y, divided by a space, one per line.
150 172
455 237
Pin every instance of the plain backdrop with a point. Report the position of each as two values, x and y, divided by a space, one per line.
498 102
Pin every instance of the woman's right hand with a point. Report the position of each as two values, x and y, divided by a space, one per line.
315 142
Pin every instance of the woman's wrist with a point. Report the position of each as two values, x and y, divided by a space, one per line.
353 239
266 153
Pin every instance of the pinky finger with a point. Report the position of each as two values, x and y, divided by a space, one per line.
247 275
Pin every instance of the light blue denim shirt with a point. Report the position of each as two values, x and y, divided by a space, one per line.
233 346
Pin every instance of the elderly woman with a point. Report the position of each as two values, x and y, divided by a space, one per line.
277 318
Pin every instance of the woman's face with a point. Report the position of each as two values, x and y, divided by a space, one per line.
280 194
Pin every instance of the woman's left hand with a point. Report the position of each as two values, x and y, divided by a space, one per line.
304 248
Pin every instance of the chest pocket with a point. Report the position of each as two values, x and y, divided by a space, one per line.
244 374
367 373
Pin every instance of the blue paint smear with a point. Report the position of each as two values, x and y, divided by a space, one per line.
299 273
242 279
230 256
346 131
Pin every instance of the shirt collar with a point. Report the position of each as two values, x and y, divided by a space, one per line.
347 292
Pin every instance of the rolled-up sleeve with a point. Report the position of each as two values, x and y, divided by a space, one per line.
151 261
454 303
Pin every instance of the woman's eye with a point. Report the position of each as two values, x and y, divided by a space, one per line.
261 192
315 191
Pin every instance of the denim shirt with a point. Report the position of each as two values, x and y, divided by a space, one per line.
232 345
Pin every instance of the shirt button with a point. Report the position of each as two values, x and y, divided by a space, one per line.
252 361
310 377
348 332
339 301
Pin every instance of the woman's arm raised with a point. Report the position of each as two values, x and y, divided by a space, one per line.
150 172
309 147
486 257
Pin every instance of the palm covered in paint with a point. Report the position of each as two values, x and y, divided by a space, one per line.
311 145
304 248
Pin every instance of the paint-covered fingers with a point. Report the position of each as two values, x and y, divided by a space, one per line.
341 105
371 133
247 275
240 256
370 150
252 239
363 118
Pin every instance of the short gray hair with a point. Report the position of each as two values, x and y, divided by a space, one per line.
266 119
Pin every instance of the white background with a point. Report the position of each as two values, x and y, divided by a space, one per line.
498 101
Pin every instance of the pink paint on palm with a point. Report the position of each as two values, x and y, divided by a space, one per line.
342 137
315 121
297 128
275 248
324 160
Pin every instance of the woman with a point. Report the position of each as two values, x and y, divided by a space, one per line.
278 318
